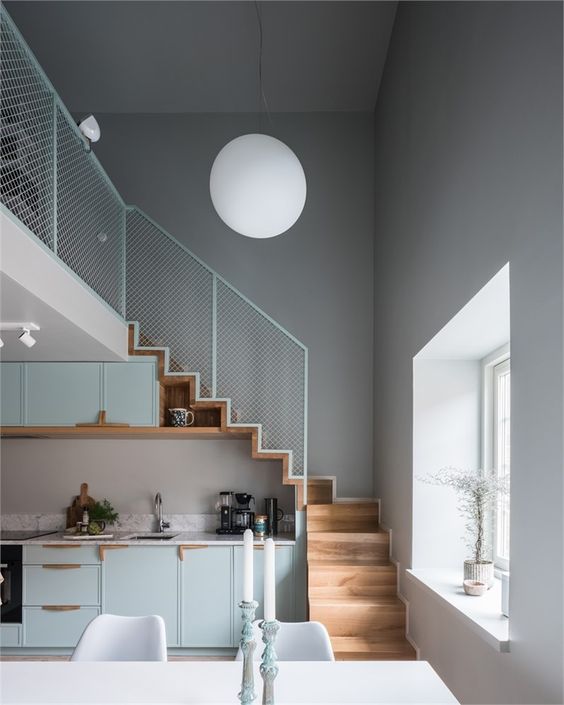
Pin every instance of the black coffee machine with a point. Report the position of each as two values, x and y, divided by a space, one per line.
244 517
234 520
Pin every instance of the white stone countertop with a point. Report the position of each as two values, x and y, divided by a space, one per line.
125 537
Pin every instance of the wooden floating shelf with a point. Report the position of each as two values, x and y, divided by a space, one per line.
164 432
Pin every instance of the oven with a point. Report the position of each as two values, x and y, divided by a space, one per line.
11 586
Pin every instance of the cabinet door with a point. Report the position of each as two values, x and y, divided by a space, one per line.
11 385
62 393
284 585
130 393
207 596
143 580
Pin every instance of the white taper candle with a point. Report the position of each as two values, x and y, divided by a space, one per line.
269 582
248 566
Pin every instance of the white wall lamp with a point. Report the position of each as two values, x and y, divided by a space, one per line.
257 184
24 329
90 129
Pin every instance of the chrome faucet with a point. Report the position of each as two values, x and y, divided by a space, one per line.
159 512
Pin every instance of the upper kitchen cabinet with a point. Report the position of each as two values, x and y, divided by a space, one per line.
130 391
62 393
69 393
11 392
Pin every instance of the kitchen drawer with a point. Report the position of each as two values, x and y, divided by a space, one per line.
60 553
61 584
10 635
55 628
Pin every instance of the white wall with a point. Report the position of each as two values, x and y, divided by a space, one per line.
446 431
469 177
43 476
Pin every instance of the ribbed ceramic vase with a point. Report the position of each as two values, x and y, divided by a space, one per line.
482 571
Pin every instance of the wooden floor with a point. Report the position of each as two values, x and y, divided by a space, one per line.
352 585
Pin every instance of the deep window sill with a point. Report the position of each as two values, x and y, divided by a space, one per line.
481 614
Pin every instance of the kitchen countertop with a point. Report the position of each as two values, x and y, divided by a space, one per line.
124 537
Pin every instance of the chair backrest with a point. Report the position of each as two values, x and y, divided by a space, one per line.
109 637
295 641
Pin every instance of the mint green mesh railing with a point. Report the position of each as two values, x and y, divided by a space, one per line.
54 186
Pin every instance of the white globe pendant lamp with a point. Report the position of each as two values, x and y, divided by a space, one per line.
258 186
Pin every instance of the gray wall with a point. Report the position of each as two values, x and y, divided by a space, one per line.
316 279
42 476
468 177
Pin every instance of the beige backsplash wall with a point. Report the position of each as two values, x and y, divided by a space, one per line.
42 476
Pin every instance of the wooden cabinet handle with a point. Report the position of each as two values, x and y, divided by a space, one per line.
109 547
61 545
60 608
61 566
189 547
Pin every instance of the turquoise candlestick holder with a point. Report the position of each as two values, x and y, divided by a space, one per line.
268 666
248 645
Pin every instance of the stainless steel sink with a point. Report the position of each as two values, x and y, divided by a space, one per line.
152 537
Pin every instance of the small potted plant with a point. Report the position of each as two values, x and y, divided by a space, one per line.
478 493
101 513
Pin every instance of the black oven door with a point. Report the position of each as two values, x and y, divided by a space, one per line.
11 586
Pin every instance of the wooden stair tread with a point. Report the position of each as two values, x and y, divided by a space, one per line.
348 508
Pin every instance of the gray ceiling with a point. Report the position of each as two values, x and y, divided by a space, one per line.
157 56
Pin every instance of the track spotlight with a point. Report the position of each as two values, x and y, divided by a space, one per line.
1 343
27 338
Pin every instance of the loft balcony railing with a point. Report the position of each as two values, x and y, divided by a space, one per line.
56 188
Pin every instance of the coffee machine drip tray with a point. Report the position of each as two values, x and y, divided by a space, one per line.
236 530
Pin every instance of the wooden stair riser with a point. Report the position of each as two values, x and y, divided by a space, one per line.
319 491
336 545
360 620
353 516
360 581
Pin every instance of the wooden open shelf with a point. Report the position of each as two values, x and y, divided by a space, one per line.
194 433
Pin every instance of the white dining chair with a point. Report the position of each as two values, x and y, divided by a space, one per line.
110 637
295 641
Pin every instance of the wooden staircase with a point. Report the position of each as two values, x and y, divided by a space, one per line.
352 585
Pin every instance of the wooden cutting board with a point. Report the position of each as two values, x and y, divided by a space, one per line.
74 512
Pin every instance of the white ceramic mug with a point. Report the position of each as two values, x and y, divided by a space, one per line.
181 417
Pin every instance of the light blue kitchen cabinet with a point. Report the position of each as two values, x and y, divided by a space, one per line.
207 596
61 584
284 584
141 580
11 392
130 393
53 627
10 635
62 393
63 553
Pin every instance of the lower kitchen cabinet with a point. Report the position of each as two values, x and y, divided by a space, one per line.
67 584
10 635
56 626
207 596
284 584
142 580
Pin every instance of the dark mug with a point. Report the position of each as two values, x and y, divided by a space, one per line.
274 514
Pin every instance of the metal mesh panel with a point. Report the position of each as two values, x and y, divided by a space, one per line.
261 369
171 295
26 137
90 218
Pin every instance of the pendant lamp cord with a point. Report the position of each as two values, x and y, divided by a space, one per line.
262 97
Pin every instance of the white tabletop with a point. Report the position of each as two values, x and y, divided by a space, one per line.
218 682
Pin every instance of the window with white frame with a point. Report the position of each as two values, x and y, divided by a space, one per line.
497 446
